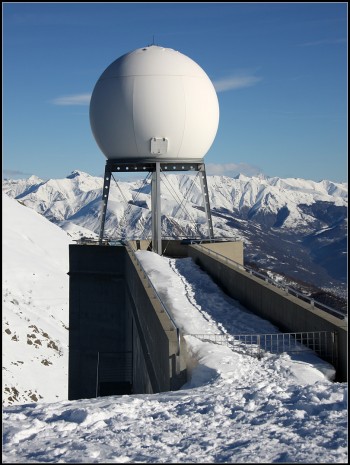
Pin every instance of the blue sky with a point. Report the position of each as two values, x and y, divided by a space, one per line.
280 71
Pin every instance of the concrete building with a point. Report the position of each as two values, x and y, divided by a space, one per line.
122 340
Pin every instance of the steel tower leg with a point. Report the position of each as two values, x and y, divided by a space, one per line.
105 194
205 192
156 212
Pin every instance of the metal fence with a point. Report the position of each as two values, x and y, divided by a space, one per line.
323 343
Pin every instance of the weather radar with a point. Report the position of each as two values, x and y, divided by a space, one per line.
154 109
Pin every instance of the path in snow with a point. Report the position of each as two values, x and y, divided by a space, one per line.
228 314
199 306
234 408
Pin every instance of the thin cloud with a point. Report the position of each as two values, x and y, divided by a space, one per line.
235 82
78 99
323 42
14 172
221 85
232 169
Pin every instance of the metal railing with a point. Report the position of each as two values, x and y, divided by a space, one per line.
287 289
157 296
323 343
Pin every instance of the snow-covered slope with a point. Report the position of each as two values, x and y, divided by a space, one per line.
234 408
35 306
292 226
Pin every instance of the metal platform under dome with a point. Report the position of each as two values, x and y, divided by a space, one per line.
155 166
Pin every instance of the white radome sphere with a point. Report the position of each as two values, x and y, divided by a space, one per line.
154 102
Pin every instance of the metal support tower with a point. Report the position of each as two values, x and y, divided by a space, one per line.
105 194
205 192
156 211
155 167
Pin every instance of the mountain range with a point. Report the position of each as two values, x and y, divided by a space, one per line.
290 227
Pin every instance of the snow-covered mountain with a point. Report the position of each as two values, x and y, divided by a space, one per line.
35 306
234 408
293 226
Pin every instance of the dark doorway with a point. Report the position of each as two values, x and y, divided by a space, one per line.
109 388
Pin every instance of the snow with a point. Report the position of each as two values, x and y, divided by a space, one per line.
198 307
234 408
77 232
35 306
76 198
227 421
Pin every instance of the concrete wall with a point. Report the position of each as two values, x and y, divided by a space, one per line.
179 248
288 313
170 248
231 250
111 310
159 339
142 383
98 322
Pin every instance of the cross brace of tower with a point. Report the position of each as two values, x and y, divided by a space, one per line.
155 166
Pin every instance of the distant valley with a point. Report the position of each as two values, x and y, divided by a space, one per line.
293 227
